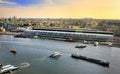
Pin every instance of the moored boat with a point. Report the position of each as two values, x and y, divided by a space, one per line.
96 43
70 40
21 36
86 42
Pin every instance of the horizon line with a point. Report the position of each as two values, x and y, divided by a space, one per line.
59 18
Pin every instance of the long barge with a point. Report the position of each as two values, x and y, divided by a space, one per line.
82 46
100 62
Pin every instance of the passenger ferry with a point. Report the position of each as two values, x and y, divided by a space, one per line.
8 68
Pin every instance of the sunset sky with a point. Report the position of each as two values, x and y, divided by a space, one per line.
101 9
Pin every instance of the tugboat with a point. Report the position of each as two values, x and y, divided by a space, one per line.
8 68
1 65
14 51
55 55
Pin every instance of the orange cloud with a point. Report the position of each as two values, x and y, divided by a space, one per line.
69 9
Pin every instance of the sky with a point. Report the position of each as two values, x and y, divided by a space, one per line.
100 9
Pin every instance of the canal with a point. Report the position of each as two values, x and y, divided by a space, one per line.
33 56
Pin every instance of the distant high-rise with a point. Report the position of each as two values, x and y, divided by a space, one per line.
14 17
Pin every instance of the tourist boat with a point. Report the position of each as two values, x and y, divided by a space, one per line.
100 62
13 51
8 68
55 55
80 46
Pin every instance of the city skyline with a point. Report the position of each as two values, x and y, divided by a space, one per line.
100 9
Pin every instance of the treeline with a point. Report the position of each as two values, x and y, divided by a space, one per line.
87 23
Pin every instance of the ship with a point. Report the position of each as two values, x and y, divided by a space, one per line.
8 68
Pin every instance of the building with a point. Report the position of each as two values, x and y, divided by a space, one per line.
85 35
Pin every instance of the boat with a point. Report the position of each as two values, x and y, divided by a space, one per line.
93 60
70 40
55 55
96 43
110 44
80 46
20 36
1 65
86 42
13 51
8 68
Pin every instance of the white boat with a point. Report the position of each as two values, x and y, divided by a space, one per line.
96 43
110 44
86 42
8 68
55 55
35 36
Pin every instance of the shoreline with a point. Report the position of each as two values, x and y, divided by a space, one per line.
8 33
115 42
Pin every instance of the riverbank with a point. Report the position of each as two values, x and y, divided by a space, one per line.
115 42
8 33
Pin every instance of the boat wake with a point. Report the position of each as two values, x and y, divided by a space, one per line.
24 65
14 42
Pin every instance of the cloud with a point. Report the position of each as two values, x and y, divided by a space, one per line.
55 2
49 2
27 2
24 3
6 2
63 9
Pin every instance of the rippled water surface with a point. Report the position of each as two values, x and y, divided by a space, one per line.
32 56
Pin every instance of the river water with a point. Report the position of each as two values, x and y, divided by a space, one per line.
32 56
